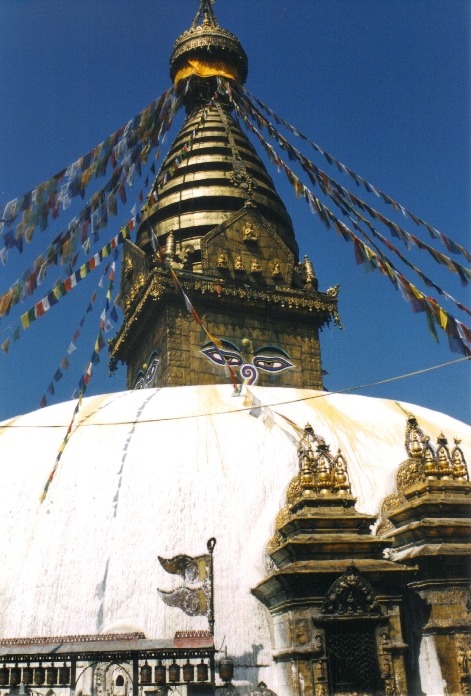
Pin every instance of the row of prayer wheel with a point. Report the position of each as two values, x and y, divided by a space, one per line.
38 676
174 673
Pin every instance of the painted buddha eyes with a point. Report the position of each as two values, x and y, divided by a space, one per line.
230 357
268 358
145 381
271 364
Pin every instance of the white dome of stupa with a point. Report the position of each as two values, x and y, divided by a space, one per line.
158 472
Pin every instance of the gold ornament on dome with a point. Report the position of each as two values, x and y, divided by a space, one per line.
384 527
274 542
409 473
415 438
443 458
295 489
340 474
391 502
460 470
425 466
282 518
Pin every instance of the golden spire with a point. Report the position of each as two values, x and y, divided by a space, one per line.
206 49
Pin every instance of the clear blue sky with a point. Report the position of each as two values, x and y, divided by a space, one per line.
383 85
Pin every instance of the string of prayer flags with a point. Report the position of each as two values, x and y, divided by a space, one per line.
217 343
452 246
132 141
257 409
62 446
338 194
92 217
83 384
64 363
41 307
456 331
327 218
429 283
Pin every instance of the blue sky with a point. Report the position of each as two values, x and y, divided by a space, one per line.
383 85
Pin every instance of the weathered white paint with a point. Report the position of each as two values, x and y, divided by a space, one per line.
158 472
430 673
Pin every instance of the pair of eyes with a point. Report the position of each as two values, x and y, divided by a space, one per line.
143 381
269 363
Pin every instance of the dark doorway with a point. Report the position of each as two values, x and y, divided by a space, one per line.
353 660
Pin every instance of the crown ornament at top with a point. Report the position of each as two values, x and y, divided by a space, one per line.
209 44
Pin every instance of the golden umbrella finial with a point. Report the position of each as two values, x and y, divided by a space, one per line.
205 11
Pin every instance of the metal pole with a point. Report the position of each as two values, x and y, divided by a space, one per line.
73 675
212 663
211 544
135 676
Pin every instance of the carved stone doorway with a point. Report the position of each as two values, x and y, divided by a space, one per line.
352 658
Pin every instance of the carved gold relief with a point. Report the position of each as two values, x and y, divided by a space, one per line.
222 261
274 542
295 489
275 268
127 267
250 232
239 265
409 473
255 266
282 518
321 672
460 470
384 527
301 631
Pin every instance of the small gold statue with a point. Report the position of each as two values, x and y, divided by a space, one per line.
249 233
239 266
256 266
275 268
223 261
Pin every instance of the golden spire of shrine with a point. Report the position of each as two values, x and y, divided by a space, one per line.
206 49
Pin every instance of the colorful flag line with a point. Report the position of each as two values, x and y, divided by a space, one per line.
325 213
36 205
64 363
456 331
83 384
41 307
453 247
95 214
333 189
217 343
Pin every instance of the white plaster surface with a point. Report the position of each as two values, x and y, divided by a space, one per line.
430 673
158 472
